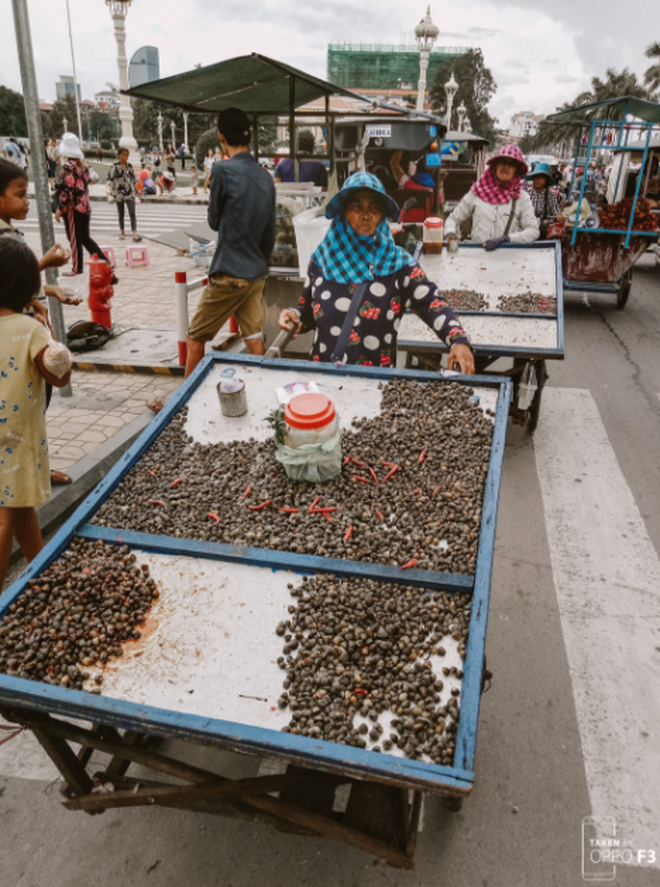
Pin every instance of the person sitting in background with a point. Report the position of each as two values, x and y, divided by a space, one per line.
545 200
290 170
498 207
418 181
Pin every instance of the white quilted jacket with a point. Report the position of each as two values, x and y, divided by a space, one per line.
490 221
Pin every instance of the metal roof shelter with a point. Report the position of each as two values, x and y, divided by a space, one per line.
644 110
256 84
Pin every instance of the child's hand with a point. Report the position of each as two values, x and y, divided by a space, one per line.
56 256
58 217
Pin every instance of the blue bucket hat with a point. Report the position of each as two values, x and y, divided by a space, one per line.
358 182
541 169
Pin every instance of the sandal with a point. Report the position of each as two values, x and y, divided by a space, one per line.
59 477
137 238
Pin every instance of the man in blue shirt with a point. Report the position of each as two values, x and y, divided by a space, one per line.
242 211
308 170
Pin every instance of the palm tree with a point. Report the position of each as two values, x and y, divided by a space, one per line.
652 74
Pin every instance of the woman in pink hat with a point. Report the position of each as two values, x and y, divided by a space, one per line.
498 207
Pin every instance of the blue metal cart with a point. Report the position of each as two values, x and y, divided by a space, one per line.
525 341
381 818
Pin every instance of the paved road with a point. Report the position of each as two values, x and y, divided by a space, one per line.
571 726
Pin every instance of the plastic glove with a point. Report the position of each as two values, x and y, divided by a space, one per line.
495 242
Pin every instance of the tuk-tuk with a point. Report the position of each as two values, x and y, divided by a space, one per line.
464 160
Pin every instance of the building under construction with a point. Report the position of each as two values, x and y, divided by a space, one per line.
383 66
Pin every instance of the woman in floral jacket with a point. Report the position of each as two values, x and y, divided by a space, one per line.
358 252
71 203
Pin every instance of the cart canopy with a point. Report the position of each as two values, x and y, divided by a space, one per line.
254 83
644 110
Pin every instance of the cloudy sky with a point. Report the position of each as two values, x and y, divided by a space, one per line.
541 52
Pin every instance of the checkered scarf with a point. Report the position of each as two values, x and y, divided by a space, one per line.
347 257
491 190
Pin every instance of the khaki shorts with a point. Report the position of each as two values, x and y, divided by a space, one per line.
222 297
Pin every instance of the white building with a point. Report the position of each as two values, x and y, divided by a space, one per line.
525 123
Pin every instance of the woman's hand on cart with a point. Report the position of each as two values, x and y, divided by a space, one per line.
461 357
290 320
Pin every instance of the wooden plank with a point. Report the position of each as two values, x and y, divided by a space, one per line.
66 761
378 811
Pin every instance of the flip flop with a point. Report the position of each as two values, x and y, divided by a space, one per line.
155 405
59 477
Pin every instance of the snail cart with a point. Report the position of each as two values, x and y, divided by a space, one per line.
510 303
194 692
617 131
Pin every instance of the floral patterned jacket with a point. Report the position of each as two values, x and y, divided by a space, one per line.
324 303
72 188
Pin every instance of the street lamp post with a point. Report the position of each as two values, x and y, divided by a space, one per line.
425 34
451 88
462 113
118 10
160 131
185 132
173 131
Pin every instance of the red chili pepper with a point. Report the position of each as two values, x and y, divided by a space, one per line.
213 516
379 514
323 510
391 473
155 502
289 510
365 480
421 456
417 492
348 533
360 691
346 461
373 474
175 483
411 563
327 517
437 489
314 504
259 507
247 492
357 462
152 473
388 464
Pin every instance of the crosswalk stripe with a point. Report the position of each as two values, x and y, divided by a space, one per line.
607 578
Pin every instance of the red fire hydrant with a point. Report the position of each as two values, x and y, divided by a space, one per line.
100 291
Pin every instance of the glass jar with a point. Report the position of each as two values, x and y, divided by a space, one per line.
433 231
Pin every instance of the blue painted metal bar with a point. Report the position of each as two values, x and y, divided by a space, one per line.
638 187
590 287
559 293
584 178
527 315
476 645
619 231
316 753
486 350
277 560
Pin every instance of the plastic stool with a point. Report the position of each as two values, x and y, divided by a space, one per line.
137 255
109 253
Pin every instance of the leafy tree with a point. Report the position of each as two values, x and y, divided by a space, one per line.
652 74
12 113
557 136
102 125
145 123
476 87
63 108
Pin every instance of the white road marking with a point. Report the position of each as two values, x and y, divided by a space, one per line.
607 578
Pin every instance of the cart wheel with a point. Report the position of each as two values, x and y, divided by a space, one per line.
624 292
535 407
